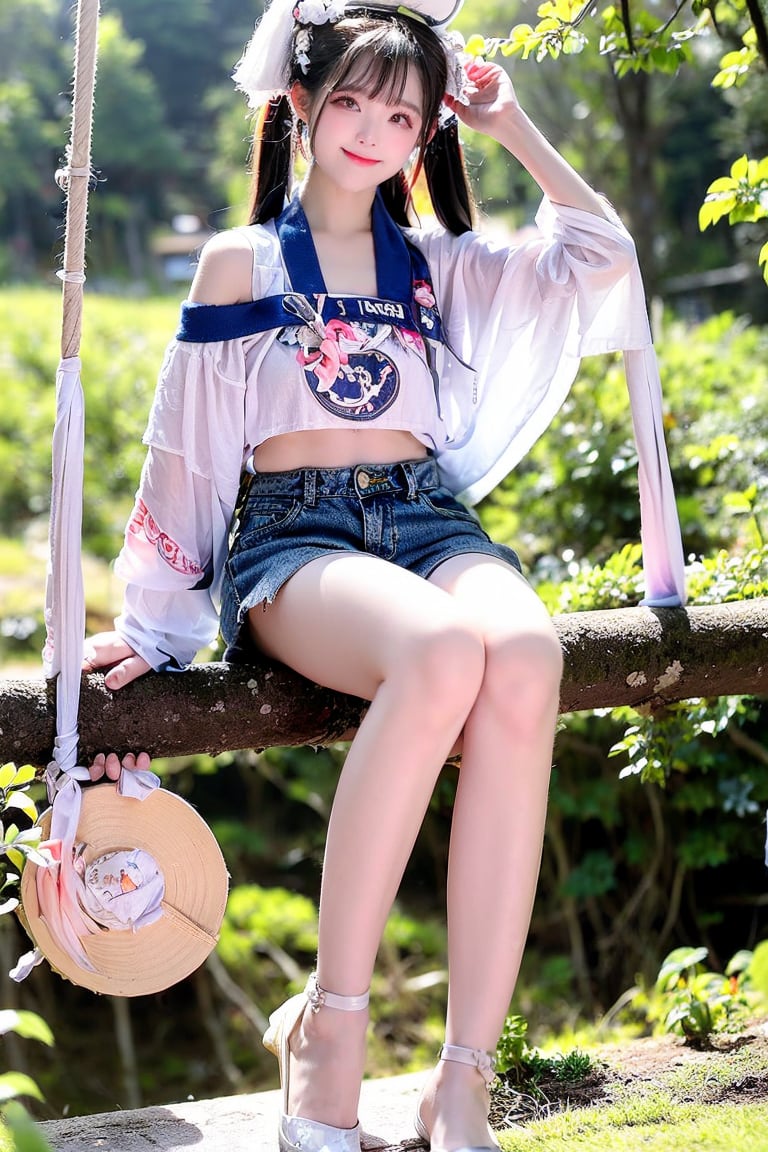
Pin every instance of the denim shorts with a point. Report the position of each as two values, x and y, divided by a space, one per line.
398 512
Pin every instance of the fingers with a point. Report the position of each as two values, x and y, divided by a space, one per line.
111 765
109 650
126 671
103 650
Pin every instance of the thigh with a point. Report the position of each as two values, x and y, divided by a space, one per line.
493 595
346 620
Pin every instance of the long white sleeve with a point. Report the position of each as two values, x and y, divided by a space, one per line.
522 318
176 540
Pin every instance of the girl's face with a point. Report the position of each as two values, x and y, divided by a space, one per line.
360 140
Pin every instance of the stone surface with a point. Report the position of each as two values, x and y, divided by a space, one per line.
234 1123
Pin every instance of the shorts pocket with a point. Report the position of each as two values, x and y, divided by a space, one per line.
444 503
262 515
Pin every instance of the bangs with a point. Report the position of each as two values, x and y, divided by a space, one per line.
378 65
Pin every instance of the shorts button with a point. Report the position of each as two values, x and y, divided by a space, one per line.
363 480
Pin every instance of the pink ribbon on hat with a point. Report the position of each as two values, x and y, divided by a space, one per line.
78 899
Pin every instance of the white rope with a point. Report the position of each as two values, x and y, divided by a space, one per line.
64 597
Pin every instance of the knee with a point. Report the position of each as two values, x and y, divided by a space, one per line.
523 670
444 667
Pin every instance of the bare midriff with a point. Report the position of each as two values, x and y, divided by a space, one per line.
336 448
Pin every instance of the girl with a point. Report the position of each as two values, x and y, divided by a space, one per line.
363 372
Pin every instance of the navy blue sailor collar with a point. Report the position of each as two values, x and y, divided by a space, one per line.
400 271
394 278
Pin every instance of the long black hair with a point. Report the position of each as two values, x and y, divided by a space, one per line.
375 51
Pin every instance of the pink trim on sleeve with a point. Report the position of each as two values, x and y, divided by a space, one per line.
142 521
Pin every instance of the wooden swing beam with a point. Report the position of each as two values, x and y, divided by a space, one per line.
646 658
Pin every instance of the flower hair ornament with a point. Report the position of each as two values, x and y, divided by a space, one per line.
264 71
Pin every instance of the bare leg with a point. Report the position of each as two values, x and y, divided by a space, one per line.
361 625
497 830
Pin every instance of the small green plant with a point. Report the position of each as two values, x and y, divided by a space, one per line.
526 1067
16 844
16 847
694 1002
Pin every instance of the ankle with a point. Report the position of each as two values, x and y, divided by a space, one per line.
320 997
328 1015
457 1079
329 1027
476 1059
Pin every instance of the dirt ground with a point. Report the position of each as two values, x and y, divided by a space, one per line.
645 1061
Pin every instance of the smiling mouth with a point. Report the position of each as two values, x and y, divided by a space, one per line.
364 160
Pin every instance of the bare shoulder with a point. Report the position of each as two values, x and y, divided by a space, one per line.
224 274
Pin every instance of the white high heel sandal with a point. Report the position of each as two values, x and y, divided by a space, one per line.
486 1066
297 1134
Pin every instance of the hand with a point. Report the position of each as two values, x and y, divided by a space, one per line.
493 102
111 765
109 650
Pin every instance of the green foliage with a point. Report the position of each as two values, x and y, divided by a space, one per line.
735 66
152 145
26 1024
257 917
574 496
24 1133
123 343
646 42
31 81
684 738
420 939
16 847
694 1002
757 968
513 1045
646 45
525 1067
657 38
742 197
130 134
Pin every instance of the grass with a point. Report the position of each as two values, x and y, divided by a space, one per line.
22 592
656 1124
658 1097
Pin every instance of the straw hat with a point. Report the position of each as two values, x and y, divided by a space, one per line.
160 834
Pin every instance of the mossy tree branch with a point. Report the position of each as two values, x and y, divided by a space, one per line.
642 657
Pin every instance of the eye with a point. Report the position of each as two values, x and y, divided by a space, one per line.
344 101
403 119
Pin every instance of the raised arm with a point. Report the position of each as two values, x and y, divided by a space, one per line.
494 110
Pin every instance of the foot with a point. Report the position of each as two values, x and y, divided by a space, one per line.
327 1054
454 1109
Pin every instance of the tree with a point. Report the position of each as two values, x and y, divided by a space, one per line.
132 147
636 656
32 110
641 43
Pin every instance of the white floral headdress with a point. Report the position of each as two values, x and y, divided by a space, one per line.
264 70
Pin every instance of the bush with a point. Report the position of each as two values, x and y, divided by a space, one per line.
573 499
18 845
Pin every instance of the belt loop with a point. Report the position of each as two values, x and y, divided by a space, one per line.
410 479
310 487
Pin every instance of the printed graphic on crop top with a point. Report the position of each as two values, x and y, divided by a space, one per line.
345 367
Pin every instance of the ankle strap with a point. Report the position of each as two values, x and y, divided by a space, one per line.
320 998
483 1061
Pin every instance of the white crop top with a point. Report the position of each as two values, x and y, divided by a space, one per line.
521 317
339 374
